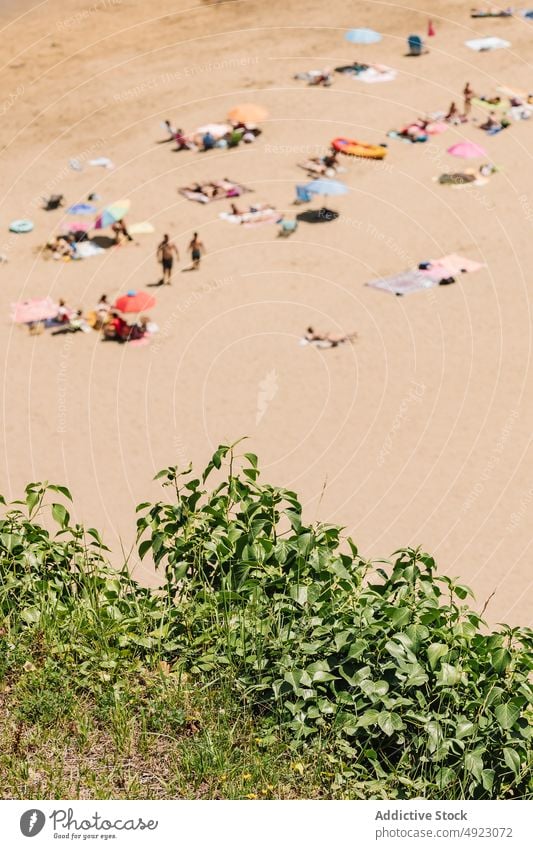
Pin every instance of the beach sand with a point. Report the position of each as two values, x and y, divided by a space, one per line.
417 434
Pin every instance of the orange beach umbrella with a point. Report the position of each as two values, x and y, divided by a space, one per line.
248 113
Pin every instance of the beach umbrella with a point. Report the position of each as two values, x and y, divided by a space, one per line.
328 188
247 113
467 150
362 36
113 212
135 302
37 309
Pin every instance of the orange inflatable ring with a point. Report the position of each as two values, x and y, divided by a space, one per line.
354 148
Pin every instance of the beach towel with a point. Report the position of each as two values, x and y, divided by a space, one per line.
491 107
36 309
377 74
253 219
404 283
460 180
84 250
484 44
102 162
82 209
455 264
141 228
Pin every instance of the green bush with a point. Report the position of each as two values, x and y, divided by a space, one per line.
386 668
382 674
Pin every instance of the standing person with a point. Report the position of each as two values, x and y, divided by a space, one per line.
468 94
196 247
166 252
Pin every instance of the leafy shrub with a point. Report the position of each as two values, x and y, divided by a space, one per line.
386 668
385 672
60 599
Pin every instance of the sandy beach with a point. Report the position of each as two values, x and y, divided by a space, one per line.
419 433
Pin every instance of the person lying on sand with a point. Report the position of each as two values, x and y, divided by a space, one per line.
316 77
62 247
333 339
324 165
493 125
415 132
74 324
468 176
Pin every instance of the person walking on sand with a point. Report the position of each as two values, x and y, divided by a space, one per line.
166 251
196 247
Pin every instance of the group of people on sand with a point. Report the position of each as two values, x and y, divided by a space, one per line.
214 189
65 246
103 318
208 140
167 252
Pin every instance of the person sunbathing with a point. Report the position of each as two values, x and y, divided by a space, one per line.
76 323
321 78
236 211
491 124
60 248
333 339
414 132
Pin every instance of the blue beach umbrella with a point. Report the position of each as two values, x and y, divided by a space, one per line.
329 188
362 36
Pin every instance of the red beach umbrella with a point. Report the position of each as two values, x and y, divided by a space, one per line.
135 302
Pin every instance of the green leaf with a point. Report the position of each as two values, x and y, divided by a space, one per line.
435 652
487 779
474 763
507 714
61 515
500 659
252 459
512 759
449 675
464 728
62 490
144 547
390 722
